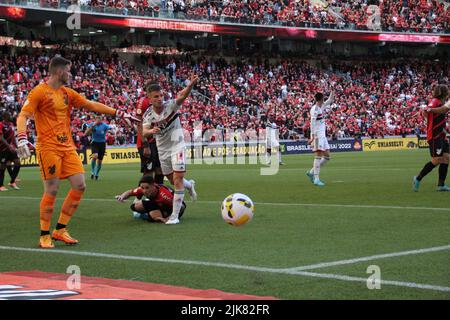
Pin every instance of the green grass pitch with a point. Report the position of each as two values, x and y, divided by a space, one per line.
367 208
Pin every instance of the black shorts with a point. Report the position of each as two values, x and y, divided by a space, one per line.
6 156
150 206
151 162
438 147
99 148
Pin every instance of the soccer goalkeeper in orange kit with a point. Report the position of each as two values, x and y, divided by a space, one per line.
50 104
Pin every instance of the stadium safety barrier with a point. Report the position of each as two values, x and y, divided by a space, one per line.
32 161
299 147
390 144
129 154
423 143
118 155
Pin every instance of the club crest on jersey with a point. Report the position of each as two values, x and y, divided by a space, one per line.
62 138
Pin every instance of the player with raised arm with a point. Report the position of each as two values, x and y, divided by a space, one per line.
318 139
50 104
162 121
157 204
436 137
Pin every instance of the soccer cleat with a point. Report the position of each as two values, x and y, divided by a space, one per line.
14 186
96 177
92 176
46 242
3 188
192 192
173 220
63 235
319 183
443 188
416 184
310 176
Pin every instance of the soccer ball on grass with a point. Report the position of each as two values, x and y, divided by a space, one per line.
237 209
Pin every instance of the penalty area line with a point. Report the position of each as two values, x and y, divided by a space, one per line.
331 205
369 258
230 266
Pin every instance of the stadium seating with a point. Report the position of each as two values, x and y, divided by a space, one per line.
372 99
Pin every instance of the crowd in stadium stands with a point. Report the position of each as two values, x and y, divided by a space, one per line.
372 99
432 16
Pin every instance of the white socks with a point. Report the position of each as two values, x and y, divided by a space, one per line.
177 203
318 163
316 167
324 161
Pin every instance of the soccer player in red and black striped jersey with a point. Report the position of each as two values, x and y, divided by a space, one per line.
8 154
157 204
436 137
147 149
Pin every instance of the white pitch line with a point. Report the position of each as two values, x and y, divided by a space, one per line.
332 205
231 266
383 282
369 258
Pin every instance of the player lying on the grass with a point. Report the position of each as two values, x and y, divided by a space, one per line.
318 139
8 154
436 137
162 121
50 104
157 204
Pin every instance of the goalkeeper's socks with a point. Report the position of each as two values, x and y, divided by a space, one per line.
69 206
46 211
93 166
97 169
426 170
443 169
60 226
177 202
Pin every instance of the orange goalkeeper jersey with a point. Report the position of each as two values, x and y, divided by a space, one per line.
51 110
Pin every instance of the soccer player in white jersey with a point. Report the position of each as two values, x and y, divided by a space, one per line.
162 121
318 139
272 142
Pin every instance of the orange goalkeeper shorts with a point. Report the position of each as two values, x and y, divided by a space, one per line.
59 164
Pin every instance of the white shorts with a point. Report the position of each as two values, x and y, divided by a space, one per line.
175 162
320 144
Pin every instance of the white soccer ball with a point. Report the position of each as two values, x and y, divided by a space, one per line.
237 209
